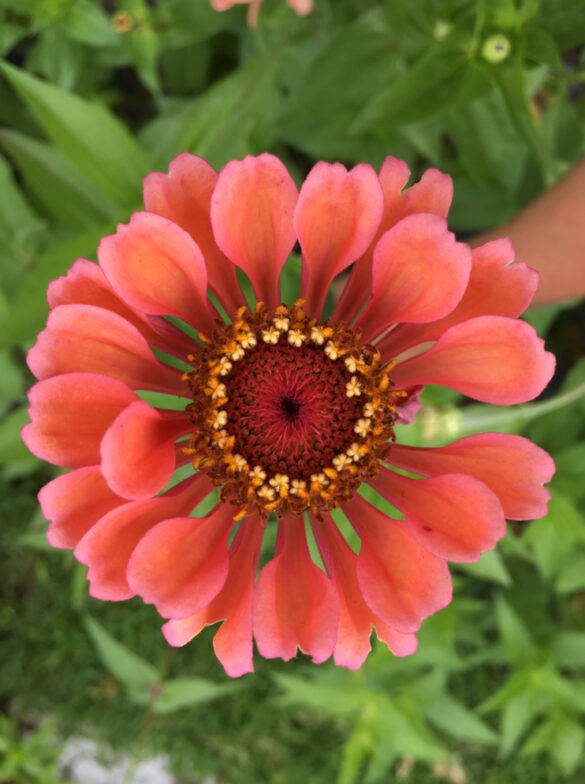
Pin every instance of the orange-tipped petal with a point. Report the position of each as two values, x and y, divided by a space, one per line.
496 287
295 605
233 605
138 450
401 581
356 619
337 216
252 217
490 358
70 415
184 197
74 502
453 515
511 466
157 268
419 274
85 338
181 564
106 547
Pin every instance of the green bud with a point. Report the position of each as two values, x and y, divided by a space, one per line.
496 48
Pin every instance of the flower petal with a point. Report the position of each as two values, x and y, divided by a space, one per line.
233 641
432 194
108 545
401 581
184 197
89 339
181 564
74 502
86 284
157 268
512 466
355 617
336 219
295 605
496 287
453 515
490 358
252 217
419 274
70 415
138 450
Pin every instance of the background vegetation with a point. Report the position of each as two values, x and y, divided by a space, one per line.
93 95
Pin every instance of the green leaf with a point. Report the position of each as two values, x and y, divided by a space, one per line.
454 718
185 692
137 675
552 538
403 728
12 448
514 635
16 215
324 697
490 567
86 22
65 193
572 576
569 649
561 737
517 715
220 124
85 132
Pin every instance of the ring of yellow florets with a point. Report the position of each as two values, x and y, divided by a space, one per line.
214 448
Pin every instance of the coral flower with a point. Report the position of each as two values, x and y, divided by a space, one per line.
302 7
156 394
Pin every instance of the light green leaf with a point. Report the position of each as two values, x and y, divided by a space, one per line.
569 649
552 539
324 697
56 183
517 714
86 133
136 674
454 718
184 692
491 567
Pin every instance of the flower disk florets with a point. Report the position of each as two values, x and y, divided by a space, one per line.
302 416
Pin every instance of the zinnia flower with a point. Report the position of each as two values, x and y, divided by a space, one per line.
302 7
289 414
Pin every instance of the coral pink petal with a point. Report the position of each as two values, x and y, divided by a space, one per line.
181 564
184 197
108 545
355 617
86 284
490 358
233 605
74 502
432 194
138 450
496 287
252 217
401 581
156 267
511 466
453 515
89 339
70 415
337 216
419 274
302 7
295 605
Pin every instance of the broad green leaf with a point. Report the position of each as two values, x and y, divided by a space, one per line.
517 714
49 176
219 125
491 567
569 649
184 692
324 697
136 674
514 635
454 718
86 133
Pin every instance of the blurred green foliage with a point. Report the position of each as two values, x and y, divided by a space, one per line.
93 95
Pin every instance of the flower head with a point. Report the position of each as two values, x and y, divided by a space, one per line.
287 413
